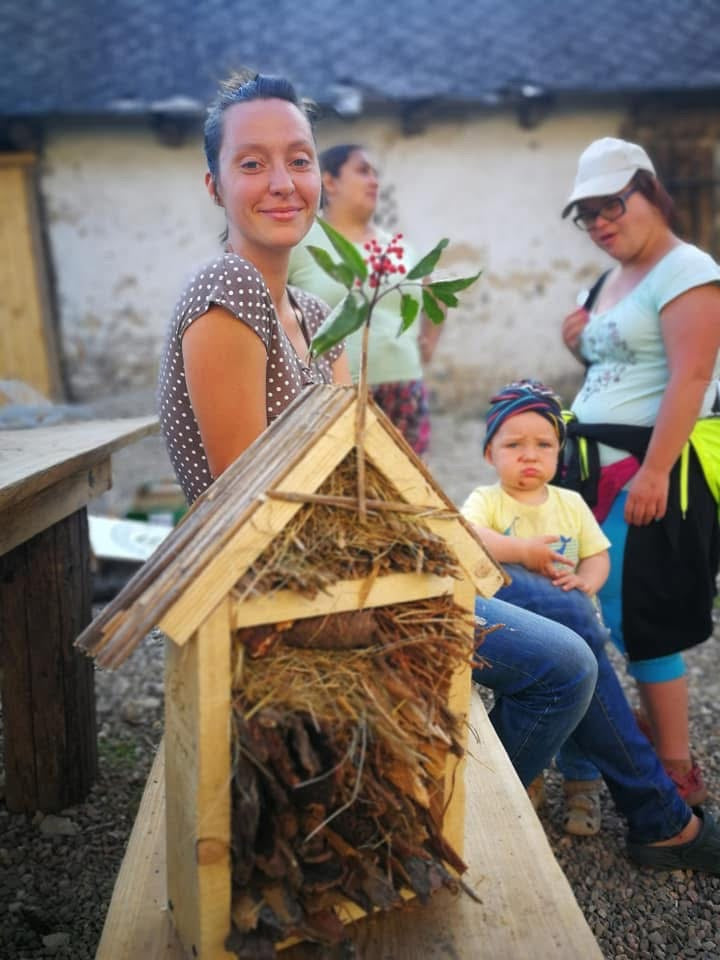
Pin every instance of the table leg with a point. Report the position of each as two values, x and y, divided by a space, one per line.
48 691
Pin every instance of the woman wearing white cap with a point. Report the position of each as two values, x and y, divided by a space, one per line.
649 413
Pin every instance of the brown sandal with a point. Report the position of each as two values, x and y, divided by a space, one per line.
582 807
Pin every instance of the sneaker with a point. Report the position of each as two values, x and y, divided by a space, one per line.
582 807
702 853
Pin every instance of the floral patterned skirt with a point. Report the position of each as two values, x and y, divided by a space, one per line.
406 404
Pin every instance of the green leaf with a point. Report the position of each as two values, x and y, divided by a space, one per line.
431 307
349 315
449 299
338 271
455 285
348 251
409 309
427 264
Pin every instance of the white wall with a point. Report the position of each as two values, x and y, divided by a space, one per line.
129 218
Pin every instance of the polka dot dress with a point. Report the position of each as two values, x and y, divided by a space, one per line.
238 286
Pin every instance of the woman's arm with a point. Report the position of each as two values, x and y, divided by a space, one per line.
691 331
225 365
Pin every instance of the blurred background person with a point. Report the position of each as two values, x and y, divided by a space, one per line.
350 188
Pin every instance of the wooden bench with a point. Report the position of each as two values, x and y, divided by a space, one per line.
47 477
527 908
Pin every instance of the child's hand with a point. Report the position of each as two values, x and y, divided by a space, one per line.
568 580
540 557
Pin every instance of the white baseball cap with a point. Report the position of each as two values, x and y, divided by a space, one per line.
605 167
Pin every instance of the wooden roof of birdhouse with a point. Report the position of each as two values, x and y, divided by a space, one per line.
252 502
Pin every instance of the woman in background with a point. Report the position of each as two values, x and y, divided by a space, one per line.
395 363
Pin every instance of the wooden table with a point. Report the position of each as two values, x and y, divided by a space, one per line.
47 477
527 908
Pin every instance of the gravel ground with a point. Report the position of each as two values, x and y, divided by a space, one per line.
57 873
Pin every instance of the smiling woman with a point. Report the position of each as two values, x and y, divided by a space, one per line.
237 349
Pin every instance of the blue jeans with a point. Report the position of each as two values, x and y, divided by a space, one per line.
543 676
575 610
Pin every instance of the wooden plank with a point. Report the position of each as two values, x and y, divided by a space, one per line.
216 579
419 489
29 517
341 596
197 723
28 347
527 909
458 702
48 686
32 460
137 925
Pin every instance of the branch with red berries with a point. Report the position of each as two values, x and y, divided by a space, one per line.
368 279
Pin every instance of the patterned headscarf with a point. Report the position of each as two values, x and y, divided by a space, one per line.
520 397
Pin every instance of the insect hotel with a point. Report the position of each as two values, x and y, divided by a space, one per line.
312 782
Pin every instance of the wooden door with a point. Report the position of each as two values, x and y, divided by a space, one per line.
28 346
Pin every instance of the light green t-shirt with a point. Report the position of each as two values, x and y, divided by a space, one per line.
564 514
628 370
390 357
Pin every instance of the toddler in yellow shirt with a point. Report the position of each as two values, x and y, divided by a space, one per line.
534 528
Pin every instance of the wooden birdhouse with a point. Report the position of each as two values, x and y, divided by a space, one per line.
317 683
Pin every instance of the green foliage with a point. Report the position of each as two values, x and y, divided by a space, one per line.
431 307
338 271
427 264
347 317
409 308
443 288
366 288
348 252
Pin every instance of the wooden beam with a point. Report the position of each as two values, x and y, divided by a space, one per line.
458 702
198 772
341 596
139 898
47 686
33 460
29 517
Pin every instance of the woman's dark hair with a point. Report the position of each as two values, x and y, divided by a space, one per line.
242 88
656 194
334 158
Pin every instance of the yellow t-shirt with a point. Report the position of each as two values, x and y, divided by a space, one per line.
564 514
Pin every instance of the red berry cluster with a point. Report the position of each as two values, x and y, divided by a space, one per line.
381 260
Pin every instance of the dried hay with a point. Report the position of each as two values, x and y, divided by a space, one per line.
323 544
339 772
